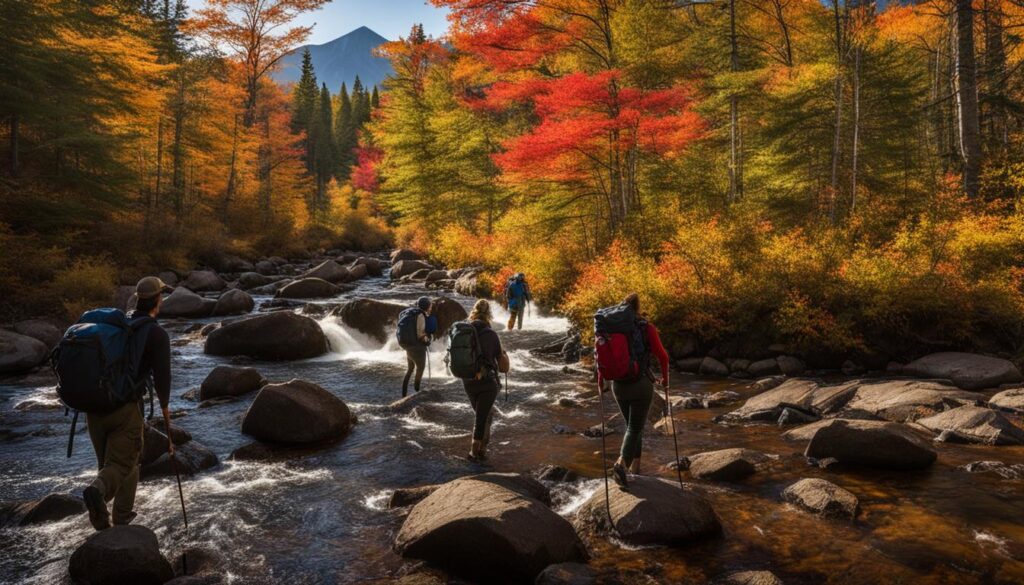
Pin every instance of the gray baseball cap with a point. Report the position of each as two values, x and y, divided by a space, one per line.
150 287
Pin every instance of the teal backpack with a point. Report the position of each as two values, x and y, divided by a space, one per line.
464 358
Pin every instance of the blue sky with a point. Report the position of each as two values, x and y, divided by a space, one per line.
389 18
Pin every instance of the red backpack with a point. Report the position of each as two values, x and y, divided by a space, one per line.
620 344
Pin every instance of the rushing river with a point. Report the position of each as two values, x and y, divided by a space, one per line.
322 518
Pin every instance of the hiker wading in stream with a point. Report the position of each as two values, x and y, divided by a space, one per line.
103 366
625 342
475 356
517 295
414 337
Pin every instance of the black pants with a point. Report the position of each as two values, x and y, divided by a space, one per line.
482 395
416 360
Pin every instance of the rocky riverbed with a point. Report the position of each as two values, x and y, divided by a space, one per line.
304 467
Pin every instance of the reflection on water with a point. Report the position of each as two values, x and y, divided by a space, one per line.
322 517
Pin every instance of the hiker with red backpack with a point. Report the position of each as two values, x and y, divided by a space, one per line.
624 344
103 365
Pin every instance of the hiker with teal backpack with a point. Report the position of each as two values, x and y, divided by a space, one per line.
517 298
624 344
103 365
476 357
414 336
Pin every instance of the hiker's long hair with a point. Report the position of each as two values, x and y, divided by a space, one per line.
633 300
481 312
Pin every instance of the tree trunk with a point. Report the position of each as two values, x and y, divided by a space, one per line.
15 130
735 164
995 115
856 129
159 160
178 151
264 153
967 98
229 191
837 126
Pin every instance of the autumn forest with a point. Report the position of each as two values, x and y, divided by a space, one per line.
840 177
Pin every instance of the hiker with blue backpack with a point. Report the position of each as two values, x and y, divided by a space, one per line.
476 357
103 365
517 296
624 344
415 327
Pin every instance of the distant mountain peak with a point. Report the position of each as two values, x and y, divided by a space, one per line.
340 61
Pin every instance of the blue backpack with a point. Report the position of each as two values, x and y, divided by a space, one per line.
406 332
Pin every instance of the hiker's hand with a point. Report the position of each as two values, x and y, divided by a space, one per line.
663 382
170 447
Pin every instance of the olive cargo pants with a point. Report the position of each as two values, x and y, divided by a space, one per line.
117 439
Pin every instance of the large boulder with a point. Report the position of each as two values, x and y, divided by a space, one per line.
711 367
358 272
330 271
120 555
230 381
266 267
448 312
189 459
374 267
182 302
20 353
823 498
51 508
880 444
154 441
309 288
370 317
296 412
233 302
281 335
403 254
40 329
251 280
725 464
653 512
975 424
967 370
1011 400
471 285
204 281
407 268
436 275
489 527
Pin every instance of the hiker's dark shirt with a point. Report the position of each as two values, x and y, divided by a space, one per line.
490 347
156 360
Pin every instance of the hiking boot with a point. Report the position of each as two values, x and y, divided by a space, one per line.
99 517
619 475
125 519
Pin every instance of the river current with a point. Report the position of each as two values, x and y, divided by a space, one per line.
321 517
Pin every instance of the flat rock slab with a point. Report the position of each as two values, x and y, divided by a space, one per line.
1011 400
725 464
975 424
491 527
750 578
823 498
879 444
118 556
653 512
967 370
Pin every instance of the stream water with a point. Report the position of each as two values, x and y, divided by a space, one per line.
322 517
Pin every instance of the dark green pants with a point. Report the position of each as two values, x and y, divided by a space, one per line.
634 400
482 395
117 440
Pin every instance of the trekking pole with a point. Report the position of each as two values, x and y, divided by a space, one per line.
506 387
675 440
184 515
604 458
430 375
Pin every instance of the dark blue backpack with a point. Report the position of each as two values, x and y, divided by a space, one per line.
407 327
431 325
97 361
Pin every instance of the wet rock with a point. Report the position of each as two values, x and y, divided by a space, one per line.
357 272
790 366
296 412
271 288
750 578
51 508
880 444
230 381
688 403
329 271
766 384
448 312
404 254
370 317
251 280
712 367
189 459
154 442
764 367
436 275
967 370
309 288
976 424
419 275
233 302
567 403
720 399
120 555
823 498
767 406
204 281
20 353
556 473
471 285
1011 400
904 400
123 298
266 267
725 464
182 302
199 562
404 497
40 329
404 268
795 416
1003 470
653 512
273 336
374 267
805 432
567 574
503 519
691 365
681 464
410 402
